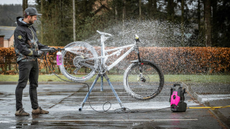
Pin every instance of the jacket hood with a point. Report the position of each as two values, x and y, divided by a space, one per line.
20 22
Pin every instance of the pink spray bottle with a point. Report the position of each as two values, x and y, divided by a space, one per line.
59 58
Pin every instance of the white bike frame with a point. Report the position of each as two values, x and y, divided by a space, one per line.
117 50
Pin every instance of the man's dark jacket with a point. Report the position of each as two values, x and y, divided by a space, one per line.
26 42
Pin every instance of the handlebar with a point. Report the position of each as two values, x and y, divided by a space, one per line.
103 33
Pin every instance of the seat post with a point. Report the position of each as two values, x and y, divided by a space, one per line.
103 38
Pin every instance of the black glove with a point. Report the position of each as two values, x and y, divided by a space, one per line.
37 53
52 49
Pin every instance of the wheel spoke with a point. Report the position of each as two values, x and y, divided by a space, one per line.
80 61
76 70
143 82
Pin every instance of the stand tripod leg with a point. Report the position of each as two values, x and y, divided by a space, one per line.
101 83
114 92
87 95
92 86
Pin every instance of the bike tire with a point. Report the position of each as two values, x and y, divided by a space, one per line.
79 61
146 87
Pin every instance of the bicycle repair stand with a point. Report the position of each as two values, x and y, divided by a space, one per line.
92 86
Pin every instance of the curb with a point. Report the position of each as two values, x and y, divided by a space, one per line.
189 89
195 95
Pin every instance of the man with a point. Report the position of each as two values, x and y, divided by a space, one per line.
27 49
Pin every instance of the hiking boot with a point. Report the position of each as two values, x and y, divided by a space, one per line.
39 110
21 112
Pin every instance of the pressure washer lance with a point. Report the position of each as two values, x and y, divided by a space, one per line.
48 50
58 57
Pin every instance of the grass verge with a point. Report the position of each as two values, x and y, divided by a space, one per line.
119 78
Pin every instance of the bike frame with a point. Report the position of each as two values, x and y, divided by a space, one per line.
104 57
109 67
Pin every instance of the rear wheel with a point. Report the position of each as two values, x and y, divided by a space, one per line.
80 60
143 80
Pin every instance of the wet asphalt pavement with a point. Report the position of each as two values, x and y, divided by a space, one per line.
64 100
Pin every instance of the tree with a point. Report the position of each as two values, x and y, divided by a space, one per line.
182 22
208 30
56 22
24 5
213 28
124 12
198 16
150 8
214 22
74 25
139 6
42 21
170 10
154 8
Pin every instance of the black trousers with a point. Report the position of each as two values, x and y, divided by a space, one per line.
27 71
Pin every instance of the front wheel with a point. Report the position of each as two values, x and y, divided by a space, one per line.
143 80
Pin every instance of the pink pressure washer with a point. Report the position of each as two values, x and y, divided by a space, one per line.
177 98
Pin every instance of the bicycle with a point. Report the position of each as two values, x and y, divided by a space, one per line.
142 79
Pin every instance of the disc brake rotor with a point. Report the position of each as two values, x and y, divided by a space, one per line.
143 79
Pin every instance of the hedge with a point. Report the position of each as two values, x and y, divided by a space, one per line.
172 60
190 59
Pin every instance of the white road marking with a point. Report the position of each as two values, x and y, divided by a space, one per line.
205 98
101 120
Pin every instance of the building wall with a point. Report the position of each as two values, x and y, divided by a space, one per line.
1 40
10 42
